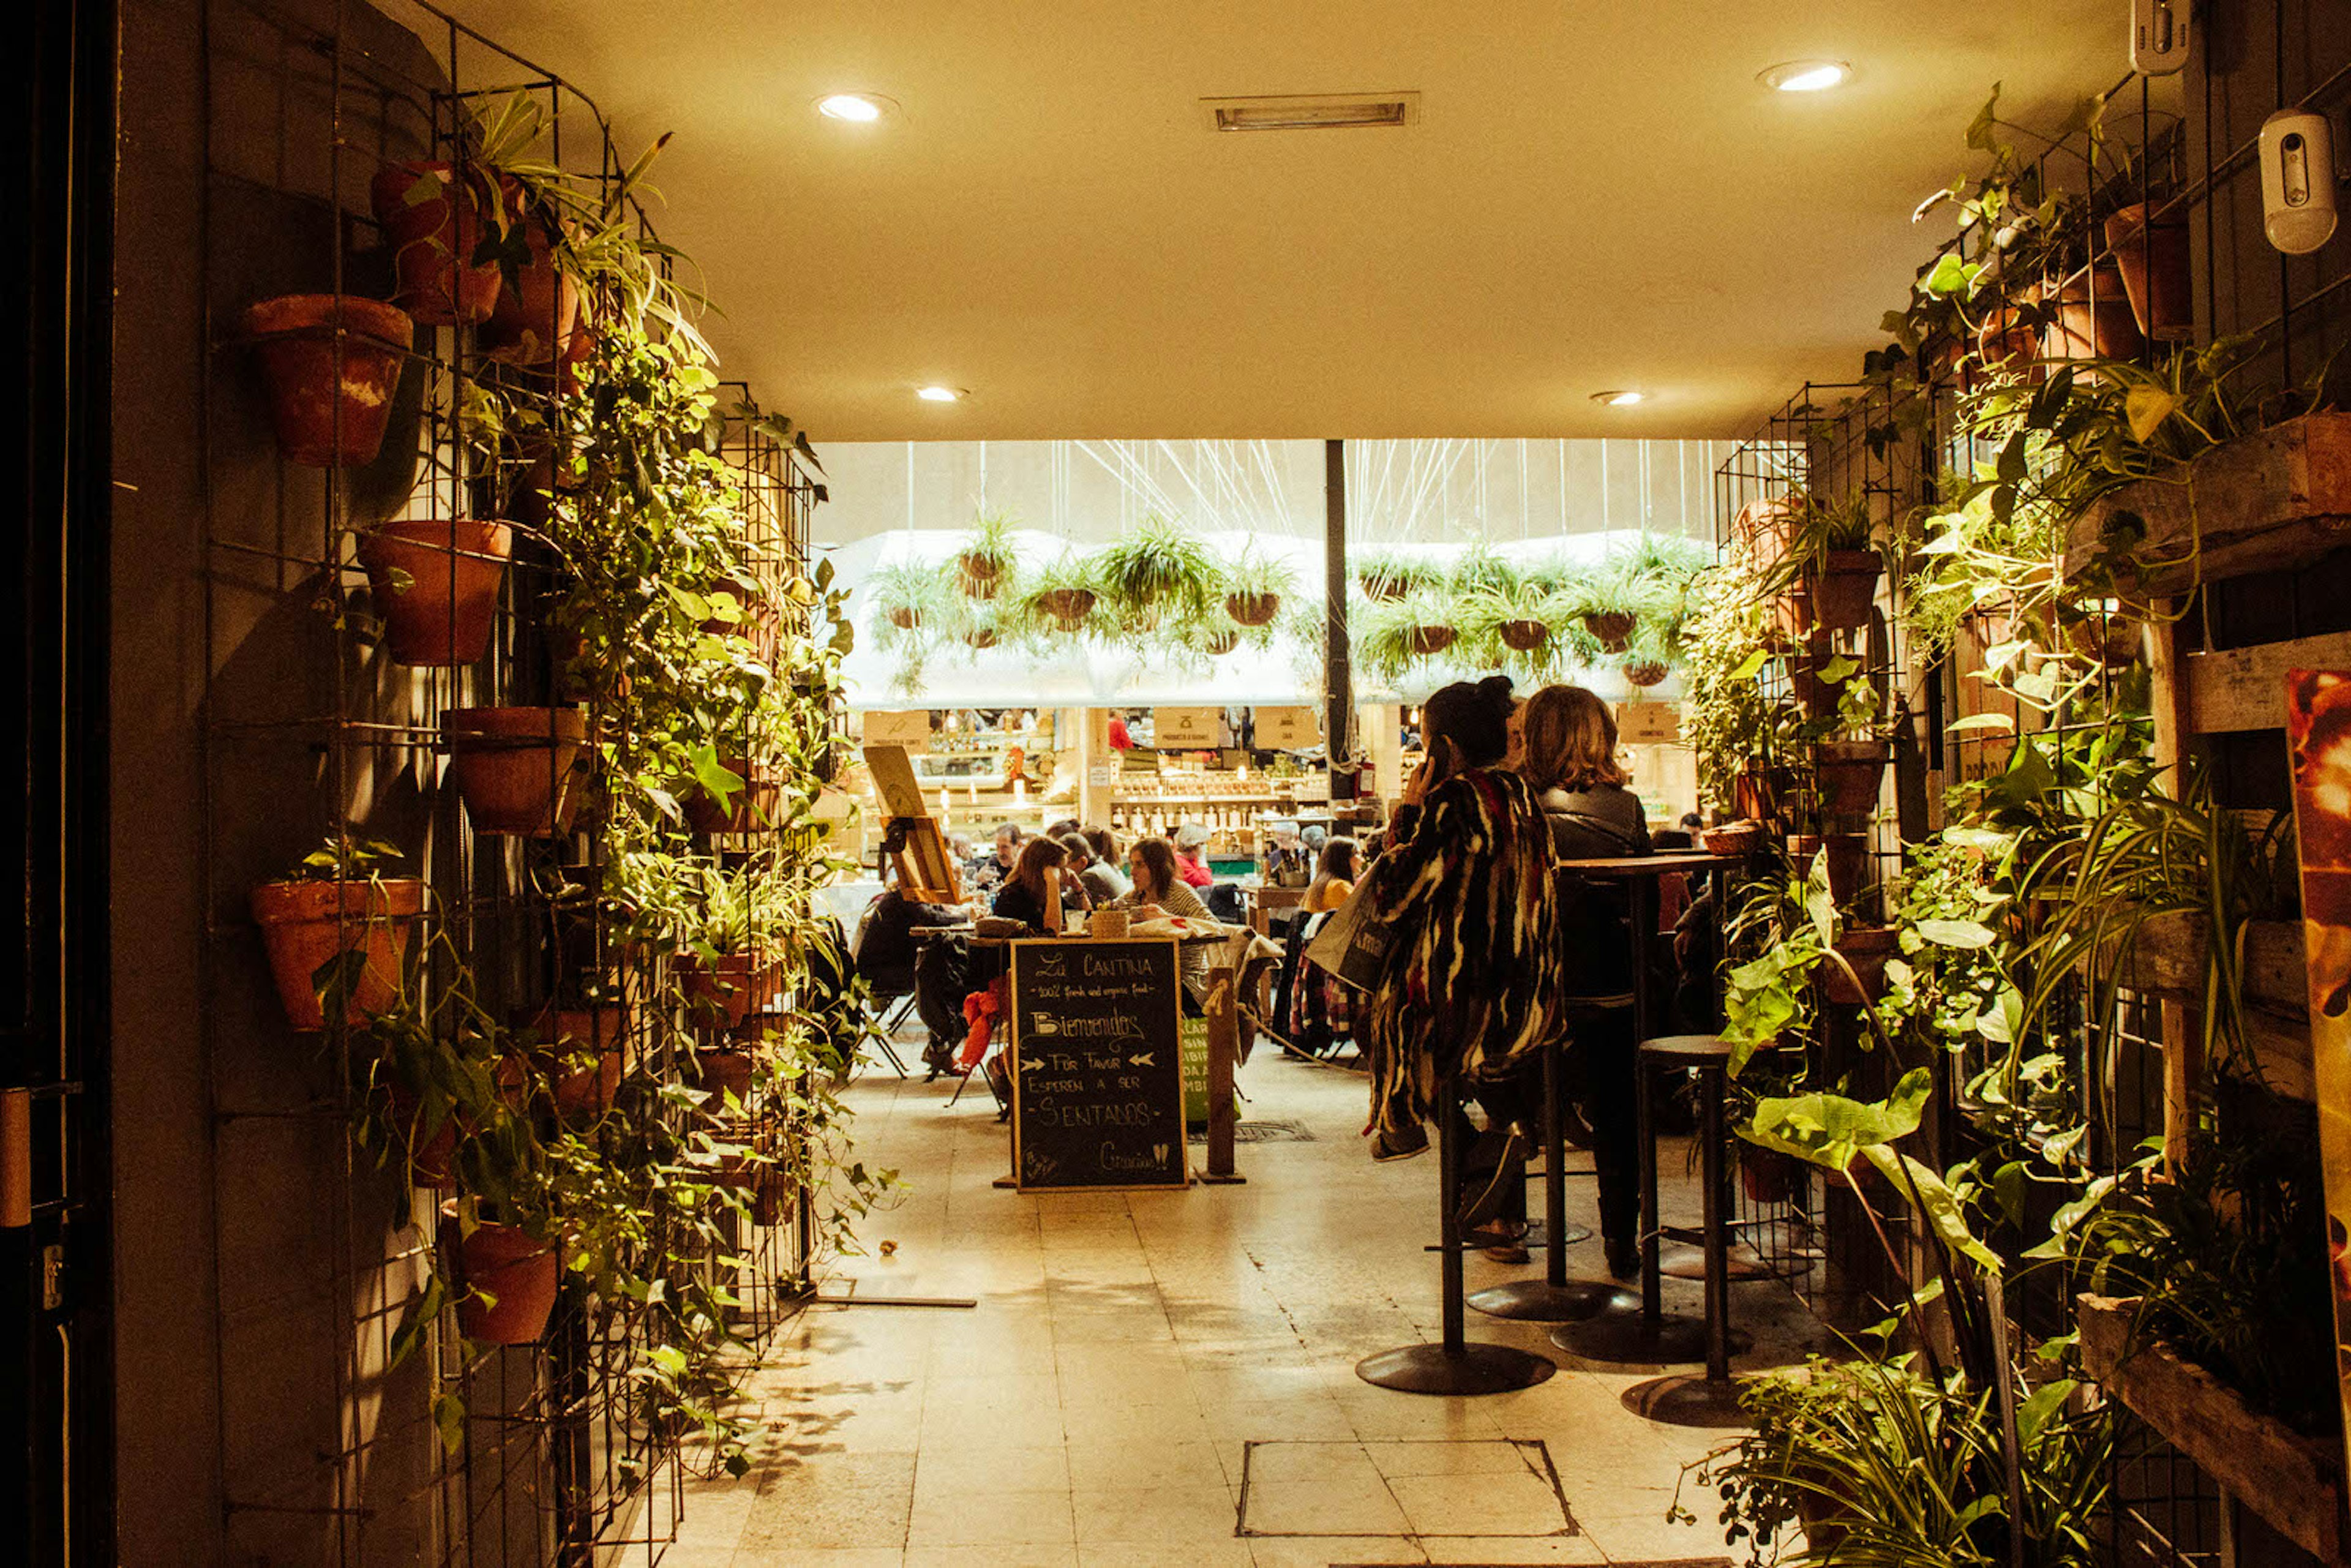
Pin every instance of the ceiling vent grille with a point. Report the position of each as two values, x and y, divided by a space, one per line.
1314 112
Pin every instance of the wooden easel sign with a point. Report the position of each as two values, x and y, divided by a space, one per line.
1097 1073
2318 741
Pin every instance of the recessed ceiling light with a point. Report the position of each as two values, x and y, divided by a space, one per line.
1805 76
1618 398
859 107
939 394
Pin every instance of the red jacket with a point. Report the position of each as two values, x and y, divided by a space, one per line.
1194 871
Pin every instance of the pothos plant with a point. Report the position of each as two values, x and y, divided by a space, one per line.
1732 716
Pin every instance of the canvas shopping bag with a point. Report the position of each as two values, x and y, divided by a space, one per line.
1353 942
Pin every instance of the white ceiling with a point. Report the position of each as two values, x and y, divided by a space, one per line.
1598 195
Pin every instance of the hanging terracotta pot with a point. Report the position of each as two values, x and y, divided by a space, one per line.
1867 949
538 315
2006 336
1219 644
510 1278
333 364
1755 792
1765 531
753 805
306 925
1849 774
2153 258
568 1038
1523 636
979 639
432 219
1612 627
1427 641
2092 327
1848 857
1847 588
514 767
1253 609
1792 620
1647 672
1070 606
729 988
435 582
723 1071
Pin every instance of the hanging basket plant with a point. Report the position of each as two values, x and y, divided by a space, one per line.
333 364
1647 672
1611 629
1064 594
986 565
1386 577
435 583
907 597
1157 575
1523 636
1255 587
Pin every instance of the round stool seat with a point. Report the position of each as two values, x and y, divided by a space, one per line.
1687 1051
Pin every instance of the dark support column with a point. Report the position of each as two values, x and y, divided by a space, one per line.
1338 677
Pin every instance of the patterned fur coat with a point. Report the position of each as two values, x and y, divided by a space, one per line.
1472 976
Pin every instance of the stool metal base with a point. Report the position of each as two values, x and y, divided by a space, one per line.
1686 1399
1540 1302
1537 1236
1623 1338
1742 1263
1477 1369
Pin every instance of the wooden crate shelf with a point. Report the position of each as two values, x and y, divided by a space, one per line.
2293 1481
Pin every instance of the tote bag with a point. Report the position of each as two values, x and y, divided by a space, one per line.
1354 943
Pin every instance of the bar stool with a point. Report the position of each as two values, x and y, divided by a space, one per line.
1646 1335
1456 1366
1554 1298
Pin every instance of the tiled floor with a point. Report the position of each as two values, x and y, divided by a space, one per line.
1169 1377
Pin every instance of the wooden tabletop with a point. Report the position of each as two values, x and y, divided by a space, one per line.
1629 866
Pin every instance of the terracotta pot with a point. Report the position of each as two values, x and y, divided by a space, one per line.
452 568
756 621
730 988
1764 532
432 221
981 576
567 1036
2084 329
770 1188
1846 588
2112 640
520 1272
1767 1175
1612 627
754 807
1253 609
1867 949
1817 697
2006 336
431 1160
1848 860
1791 615
538 314
1426 641
515 767
305 924
2157 277
726 1072
1756 793
325 418
1849 774
1070 606
1523 636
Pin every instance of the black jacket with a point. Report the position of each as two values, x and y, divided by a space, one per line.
1606 823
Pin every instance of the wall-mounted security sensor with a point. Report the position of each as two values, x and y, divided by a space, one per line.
2158 37
2297 180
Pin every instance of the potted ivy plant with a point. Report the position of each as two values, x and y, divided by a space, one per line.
434 580
987 563
338 926
1844 569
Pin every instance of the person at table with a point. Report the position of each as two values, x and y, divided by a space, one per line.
1468 986
1570 760
1158 893
988 872
1342 867
1192 855
887 957
1032 893
1107 861
1091 879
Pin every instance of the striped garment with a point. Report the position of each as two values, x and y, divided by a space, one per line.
1472 976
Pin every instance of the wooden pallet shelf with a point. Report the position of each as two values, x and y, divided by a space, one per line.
2274 500
2168 961
2294 1482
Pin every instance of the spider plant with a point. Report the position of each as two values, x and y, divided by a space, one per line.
1158 573
1256 584
909 603
1480 569
1393 636
1612 599
1388 575
986 562
1065 596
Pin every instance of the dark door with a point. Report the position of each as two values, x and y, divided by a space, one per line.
56 1491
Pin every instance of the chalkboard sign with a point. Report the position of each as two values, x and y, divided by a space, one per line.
1098 1091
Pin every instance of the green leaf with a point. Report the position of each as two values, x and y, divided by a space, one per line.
1942 1206
1828 1130
1964 934
419 1318
449 1420
1978 721
2146 407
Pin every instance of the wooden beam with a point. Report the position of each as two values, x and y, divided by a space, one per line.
2244 688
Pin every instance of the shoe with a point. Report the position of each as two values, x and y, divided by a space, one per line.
1487 1191
1512 1253
1403 1145
1624 1258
